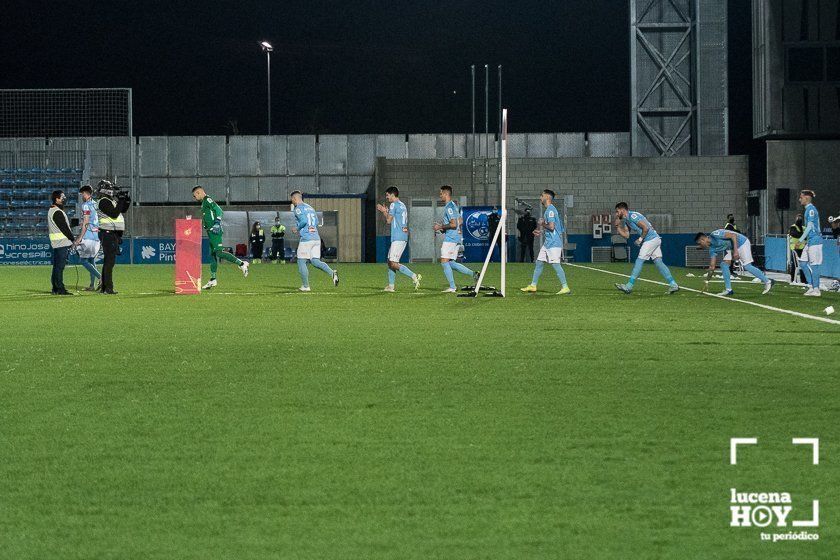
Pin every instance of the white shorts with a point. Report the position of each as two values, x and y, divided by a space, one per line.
309 250
88 248
812 254
551 255
651 250
744 254
449 250
396 250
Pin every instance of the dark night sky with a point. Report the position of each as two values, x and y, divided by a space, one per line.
346 67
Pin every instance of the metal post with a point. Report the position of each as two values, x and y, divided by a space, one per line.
486 110
268 82
472 71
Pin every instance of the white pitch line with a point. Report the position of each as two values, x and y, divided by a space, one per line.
726 298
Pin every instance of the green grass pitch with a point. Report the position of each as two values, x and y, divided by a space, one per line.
257 422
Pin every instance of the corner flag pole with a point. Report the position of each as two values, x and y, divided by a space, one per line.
503 142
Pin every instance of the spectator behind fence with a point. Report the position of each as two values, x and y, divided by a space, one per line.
257 242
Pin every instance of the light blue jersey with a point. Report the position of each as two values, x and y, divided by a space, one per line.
89 211
307 222
812 221
633 220
451 212
720 244
553 239
399 223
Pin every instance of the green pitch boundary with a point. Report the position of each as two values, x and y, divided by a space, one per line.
727 298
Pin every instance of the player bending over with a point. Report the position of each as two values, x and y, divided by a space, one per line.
212 222
396 214
451 228
733 246
812 255
649 242
552 249
309 248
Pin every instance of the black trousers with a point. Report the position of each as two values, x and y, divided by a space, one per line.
110 249
278 250
256 250
59 261
526 247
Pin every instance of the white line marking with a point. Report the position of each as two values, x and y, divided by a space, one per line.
814 442
727 298
733 447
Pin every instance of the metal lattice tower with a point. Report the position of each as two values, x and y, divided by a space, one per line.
678 77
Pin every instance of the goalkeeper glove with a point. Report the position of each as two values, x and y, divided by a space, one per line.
217 228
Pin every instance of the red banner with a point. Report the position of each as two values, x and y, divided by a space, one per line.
187 256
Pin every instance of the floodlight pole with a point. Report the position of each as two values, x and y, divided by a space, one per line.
266 46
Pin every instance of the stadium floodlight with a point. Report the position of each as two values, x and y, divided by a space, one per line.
500 231
267 48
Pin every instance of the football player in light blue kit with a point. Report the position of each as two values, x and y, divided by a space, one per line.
649 242
309 248
551 225
451 227
811 258
396 214
729 246
87 244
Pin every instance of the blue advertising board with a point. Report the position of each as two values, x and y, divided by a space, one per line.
146 250
158 250
477 233
25 250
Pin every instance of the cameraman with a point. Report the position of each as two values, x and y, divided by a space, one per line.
110 207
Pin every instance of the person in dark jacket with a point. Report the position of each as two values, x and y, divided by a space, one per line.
730 224
257 242
526 226
61 239
492 225
794 233
110 207
278 249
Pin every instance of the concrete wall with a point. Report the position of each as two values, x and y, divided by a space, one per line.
690 194
158 221
799 164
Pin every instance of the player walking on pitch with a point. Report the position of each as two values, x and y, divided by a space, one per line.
649 242
212 222
451 228
812 255
396 214
552 249
734 247
309 248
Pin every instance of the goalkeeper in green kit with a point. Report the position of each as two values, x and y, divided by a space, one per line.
212 222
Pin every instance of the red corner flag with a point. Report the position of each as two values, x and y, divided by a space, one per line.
187 256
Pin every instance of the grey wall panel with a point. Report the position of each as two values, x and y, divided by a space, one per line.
180 190
183 156
244 189
152 156
609 144
421 146
212 154
359 185
391 146
304 184
152 189
459 145
570 144
361 154
332 185
243 156
119 157
541 145
485 145
216 187
99 158
517 145
332 155
443 146
273 189
273 155
301 155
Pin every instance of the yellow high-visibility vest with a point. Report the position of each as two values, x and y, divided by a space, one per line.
108 223
57 238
